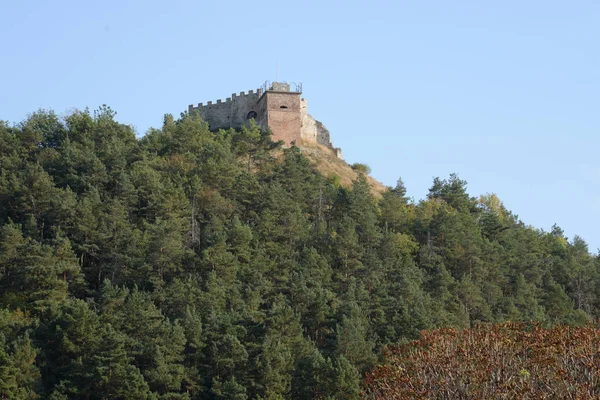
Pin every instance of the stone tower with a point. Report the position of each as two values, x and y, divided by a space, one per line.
280 110
274 106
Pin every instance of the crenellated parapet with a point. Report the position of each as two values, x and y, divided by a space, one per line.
241 96
233 112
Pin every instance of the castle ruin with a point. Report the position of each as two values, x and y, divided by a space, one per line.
274 106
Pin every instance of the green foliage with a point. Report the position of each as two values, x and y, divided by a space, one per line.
198 264
19 375
361 168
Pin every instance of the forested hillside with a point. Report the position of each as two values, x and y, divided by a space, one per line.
194 265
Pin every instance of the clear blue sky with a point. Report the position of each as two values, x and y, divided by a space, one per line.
506 94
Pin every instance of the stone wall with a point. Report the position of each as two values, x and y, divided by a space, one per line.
280 87
261 109
314 131
284 116
309 124
231 113
323 135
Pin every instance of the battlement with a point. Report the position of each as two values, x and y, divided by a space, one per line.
251 95
234 97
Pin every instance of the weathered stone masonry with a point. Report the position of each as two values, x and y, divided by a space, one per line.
277 108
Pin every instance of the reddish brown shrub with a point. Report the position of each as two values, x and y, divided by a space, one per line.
503 361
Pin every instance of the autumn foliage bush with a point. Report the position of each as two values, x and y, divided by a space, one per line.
504 361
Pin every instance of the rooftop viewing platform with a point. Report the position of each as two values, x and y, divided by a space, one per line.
282 87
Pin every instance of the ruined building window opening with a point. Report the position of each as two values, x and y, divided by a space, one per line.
283 107
251 114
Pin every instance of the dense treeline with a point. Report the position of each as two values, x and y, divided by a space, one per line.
195 265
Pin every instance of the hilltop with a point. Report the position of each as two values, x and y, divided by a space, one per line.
279 108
